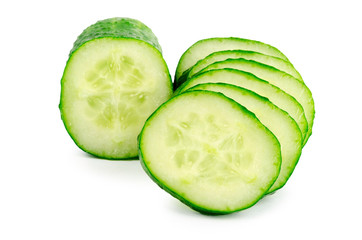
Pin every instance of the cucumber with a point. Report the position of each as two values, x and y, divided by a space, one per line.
278 63
114 79
284 81
204 47
204 149
276 120
246 80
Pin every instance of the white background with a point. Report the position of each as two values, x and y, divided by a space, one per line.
49 189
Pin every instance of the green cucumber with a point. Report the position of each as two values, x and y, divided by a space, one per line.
209 157
246 80
284 81
114 79
278 63
204 47
276 120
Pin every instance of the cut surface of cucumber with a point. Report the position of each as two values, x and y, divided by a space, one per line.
110 86
204 47
246 80
284 81
204 149
278 63
276 120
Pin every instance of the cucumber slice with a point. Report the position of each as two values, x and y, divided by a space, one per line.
278 63
278 78
276 120
204 47
246 80
114 79
209 157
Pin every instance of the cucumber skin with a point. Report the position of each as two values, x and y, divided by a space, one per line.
117 28
111 28
163 186
182 79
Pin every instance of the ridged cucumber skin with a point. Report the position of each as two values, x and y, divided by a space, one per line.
164 186
117 28
114 28
275 52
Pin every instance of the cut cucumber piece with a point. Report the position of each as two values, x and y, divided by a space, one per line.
276 120
114 79
284 81
209 157
278 63
247 80
204 47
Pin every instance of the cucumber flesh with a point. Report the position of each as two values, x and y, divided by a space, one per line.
278 63
209 158
110 86
276 120
246 80
204 47
284 81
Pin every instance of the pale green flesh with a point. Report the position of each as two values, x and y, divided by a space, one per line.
203 48
209 157
284 81
276 120
278 63
109 88
242 79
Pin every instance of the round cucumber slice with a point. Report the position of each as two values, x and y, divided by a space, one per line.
204 149
246 80
111 84
276 62
284 81
276 120
204 47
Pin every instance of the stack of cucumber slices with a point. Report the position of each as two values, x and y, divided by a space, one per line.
231 133
234 129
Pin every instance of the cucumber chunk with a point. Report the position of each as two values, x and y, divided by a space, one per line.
246 80
114 79
276 120
284 81
204 149
204 47
278 63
